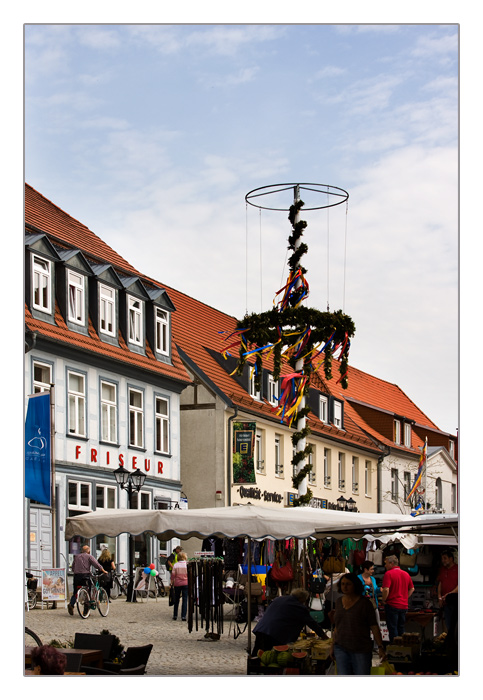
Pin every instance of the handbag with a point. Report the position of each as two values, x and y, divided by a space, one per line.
282 573
171 596
407 559
333 565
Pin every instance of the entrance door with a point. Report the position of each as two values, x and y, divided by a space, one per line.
40 538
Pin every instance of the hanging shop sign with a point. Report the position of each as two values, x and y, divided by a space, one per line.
243 452
258 494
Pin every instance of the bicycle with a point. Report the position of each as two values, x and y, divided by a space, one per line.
29 636
119 583
92 596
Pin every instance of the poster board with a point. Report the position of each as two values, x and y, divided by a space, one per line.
54 585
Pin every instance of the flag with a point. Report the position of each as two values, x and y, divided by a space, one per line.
419 474
37 448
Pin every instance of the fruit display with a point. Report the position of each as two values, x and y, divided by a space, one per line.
281 657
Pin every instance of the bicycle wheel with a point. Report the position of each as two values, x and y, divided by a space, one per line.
83 607
102 602
161 587
29 636
32 599
115 590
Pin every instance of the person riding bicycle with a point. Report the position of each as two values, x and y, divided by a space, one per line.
81 566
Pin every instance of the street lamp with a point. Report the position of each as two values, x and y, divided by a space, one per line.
351 505
341 503
130 481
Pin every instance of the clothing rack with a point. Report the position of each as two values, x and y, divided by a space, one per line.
205 594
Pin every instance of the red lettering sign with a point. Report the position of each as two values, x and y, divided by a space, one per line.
107 457
77 451
121 460
93 455
160 467
147 465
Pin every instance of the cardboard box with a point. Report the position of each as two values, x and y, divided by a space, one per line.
401 654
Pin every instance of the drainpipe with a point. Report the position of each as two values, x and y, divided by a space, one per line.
229 457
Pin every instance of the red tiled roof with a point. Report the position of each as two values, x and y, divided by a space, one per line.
47 217
198 328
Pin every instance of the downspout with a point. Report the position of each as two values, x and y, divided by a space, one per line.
229 458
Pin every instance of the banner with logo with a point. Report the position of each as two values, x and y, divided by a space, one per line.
37 448
244 452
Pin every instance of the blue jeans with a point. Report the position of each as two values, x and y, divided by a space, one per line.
395 621
351 663
178 592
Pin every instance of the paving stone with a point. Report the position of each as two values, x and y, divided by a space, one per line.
176 651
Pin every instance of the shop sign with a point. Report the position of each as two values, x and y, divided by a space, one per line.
258 494
243 450
94 456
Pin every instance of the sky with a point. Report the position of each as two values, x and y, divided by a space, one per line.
153 134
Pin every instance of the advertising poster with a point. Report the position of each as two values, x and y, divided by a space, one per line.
244 452
53 584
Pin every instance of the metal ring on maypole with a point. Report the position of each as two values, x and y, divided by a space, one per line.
337 194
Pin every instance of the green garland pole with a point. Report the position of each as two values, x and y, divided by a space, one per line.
296 332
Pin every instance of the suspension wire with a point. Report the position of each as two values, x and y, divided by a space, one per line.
261 265
328 253
345 253
246 259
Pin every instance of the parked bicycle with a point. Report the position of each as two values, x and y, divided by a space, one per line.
34 595
92 596
119 583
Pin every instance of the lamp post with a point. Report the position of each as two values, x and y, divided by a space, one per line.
130 481
341 503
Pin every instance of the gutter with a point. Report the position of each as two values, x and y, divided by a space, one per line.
386 453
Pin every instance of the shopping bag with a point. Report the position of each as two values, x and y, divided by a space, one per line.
332 670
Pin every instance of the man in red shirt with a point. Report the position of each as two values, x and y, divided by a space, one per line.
448 588
397 587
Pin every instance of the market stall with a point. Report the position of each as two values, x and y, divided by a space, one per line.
256 523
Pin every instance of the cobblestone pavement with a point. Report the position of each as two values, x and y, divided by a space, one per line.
176 651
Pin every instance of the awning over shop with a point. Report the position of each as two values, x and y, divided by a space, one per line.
256 522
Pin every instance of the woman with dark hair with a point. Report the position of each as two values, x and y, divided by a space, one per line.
48 661
355 619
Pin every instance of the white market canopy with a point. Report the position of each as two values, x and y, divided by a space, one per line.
255 522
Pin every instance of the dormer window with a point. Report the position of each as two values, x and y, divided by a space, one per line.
107 310
76 297
254 393
337 414
162 332
324 409
407 434
135 321
41 273
397 432
273 390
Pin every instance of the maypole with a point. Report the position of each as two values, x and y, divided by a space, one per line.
305 338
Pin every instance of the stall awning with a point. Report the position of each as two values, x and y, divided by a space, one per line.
256 522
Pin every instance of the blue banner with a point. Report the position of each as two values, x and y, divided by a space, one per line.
37 449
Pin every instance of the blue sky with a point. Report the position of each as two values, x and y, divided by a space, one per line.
152 135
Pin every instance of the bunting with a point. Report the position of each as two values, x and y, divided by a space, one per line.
419 474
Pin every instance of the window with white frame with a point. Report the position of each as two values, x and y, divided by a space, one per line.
341 470
453 498
141 500
407 484
135 320
273 390
397 432
41 284
162 424
105 496
76 400
324 409
136 418
259 461
368 478
107 310
162 332
79 496
438 494
42 377
451 448
355 474
75 293
394 485
407 434
251 384
108 411
337 414
278 455
311 463
327 474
